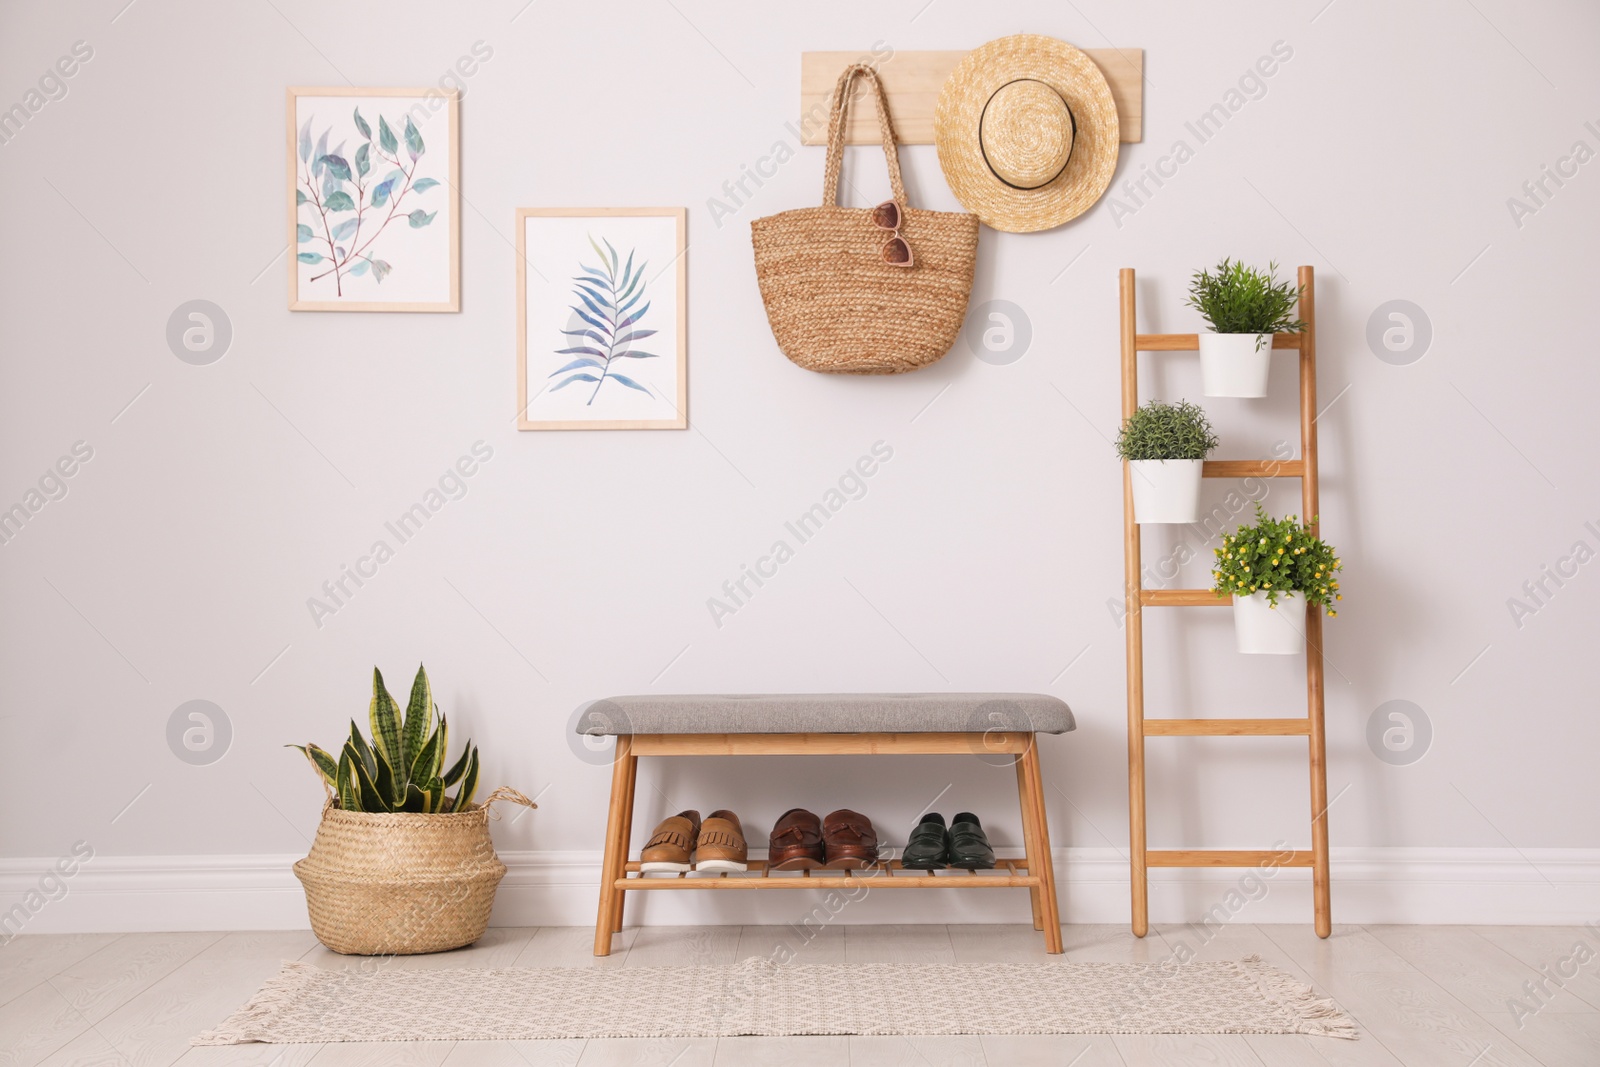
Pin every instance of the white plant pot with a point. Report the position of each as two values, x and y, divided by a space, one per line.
1262 629
1166 490
1232 365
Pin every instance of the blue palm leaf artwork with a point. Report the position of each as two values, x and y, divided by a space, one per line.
609 303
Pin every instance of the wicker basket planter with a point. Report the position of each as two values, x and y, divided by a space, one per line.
399 884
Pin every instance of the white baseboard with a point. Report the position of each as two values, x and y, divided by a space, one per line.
1370 885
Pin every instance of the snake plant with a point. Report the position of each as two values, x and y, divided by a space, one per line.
402 767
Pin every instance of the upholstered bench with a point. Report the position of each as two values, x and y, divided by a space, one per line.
997 727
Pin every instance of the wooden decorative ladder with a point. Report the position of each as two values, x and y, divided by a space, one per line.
1311 726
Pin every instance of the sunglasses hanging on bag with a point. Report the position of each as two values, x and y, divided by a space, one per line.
896 250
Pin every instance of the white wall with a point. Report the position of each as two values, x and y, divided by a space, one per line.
985 552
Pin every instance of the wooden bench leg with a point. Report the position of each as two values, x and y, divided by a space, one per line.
1047 870
627 837
1030 842
611 868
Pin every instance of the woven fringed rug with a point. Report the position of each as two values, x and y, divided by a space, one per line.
762 997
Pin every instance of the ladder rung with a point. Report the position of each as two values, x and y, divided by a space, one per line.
1254 468
1189 342
1227 727
1183 598
1208 857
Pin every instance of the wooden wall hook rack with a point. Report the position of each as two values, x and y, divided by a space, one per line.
913 80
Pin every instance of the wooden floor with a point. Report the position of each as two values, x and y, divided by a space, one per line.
1422 995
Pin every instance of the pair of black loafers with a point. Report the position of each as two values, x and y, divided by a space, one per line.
933 847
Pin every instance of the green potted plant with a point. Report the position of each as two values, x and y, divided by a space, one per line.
1166 446
401 864
1243 307
1273 570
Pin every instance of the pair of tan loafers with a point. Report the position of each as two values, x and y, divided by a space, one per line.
683 842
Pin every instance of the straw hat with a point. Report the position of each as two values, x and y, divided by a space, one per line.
1027 132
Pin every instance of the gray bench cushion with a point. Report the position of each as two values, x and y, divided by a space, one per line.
826 713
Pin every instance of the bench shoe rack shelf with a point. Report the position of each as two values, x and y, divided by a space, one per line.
1138 598
620 875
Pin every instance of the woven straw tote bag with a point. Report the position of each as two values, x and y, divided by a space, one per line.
835 300
391 883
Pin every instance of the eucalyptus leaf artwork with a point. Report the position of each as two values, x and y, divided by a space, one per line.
346 208
374 220
610 302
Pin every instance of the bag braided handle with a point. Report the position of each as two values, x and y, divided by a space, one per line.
506 793
841 103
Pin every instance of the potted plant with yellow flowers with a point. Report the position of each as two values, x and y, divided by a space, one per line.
1273 570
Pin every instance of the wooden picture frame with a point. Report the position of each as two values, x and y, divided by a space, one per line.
557 262
427 268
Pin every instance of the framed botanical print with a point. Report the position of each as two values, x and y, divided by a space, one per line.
602 319
374 202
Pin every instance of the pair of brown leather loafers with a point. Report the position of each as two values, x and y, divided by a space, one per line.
845 840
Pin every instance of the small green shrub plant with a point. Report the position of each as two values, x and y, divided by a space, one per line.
402 768
1242 299
1166 431
1278 556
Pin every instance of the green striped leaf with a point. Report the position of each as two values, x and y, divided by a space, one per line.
434 791
384 716
419 718
416 800
459 767
319 759
346 782
367 795
440 752
425 766
363 751
390 787
469 782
